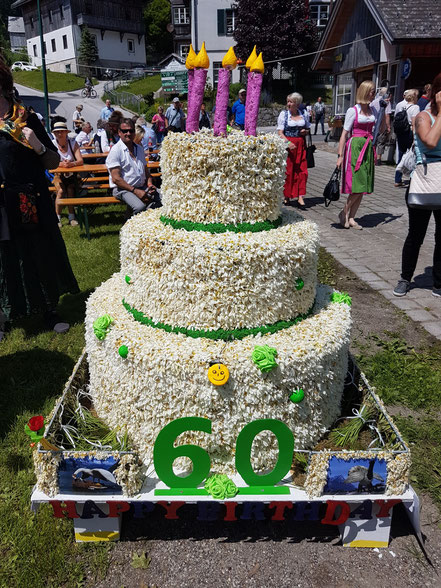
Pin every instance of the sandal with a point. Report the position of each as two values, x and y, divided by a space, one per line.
354 224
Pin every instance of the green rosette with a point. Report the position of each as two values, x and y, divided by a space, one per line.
264 357
101 326
341 297
221 487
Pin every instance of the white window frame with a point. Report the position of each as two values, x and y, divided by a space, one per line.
321 20
132 41
184 50
181 15
230 22
343 92
217 65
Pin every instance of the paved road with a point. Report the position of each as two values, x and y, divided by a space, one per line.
64 103
374 254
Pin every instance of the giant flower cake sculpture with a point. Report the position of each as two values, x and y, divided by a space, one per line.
219 276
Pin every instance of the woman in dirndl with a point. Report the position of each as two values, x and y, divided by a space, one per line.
356 154
293 125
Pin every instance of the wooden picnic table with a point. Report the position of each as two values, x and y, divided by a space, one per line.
95 168
88 156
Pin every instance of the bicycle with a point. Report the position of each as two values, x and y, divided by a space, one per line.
88 92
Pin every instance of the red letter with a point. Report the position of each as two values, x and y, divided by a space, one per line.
330 511
116 508
279 513
68 511
230 511
171 508
385 506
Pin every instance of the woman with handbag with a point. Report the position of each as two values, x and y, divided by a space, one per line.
293 125
34 267
70 156
356 155
424 194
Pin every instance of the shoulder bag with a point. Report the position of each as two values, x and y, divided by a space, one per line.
310 149
331 193
425 186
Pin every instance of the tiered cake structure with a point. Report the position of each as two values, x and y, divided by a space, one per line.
214 273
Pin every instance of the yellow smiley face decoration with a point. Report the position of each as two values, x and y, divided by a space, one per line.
218 374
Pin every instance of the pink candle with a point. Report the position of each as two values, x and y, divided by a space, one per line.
254 86
222 97
252 103
197 97
190 73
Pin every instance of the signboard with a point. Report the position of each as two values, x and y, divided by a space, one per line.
174 81
406 68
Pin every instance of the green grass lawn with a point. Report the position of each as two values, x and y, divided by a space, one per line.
56 81
36 549
144 85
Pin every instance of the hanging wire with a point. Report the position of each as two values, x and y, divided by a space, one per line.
323 50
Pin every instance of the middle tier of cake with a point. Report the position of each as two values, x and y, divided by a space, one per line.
200 280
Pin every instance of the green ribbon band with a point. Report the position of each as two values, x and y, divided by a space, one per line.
220 228
221 334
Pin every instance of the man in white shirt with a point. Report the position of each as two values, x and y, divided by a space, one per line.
77 118
84 138
106 111
384 131
128 173
319 110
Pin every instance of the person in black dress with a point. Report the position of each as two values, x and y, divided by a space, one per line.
34 266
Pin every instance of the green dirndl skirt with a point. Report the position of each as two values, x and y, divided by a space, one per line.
362 180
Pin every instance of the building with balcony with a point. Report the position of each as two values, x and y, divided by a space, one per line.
116 25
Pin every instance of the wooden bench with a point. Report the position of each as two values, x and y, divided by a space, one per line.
81 203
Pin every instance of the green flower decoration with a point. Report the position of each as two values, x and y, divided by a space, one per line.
263 356
101 326
220 487
128 279
341 297
123 351
299 284
297 396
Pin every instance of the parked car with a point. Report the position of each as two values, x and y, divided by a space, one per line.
21 65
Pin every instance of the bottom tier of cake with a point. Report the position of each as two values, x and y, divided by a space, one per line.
163 376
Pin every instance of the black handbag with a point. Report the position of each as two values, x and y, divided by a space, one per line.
310 149
331 193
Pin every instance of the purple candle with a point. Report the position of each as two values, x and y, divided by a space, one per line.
255 78
197 91
229 62
189 64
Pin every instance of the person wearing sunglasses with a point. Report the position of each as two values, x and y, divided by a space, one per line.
129 176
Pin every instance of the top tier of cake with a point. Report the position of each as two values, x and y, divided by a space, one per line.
229 180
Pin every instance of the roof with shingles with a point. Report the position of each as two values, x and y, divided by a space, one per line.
408 19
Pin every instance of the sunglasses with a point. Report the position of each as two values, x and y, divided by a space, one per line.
125 131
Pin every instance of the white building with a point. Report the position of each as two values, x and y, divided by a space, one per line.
116 25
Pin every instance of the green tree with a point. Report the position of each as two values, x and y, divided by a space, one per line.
87 52
157 16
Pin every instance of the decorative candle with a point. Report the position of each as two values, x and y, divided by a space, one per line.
201 65
189 64
255 78
252 58
229 62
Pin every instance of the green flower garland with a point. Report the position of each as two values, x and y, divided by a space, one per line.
223 334
220 487
221 228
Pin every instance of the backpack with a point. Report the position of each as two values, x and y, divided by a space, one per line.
401 123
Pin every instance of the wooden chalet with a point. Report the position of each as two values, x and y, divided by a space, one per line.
394 40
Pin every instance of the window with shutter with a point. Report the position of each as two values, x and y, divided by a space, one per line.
221 23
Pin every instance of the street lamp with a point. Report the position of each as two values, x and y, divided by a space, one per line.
43 68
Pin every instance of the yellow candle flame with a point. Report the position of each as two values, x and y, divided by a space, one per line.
230 59
252 58
202 60
257 65
191 58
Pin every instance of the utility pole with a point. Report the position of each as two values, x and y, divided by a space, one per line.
43 69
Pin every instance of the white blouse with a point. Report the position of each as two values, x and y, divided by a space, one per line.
362 118
303 122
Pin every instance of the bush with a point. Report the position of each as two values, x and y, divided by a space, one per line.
148 112
234 90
